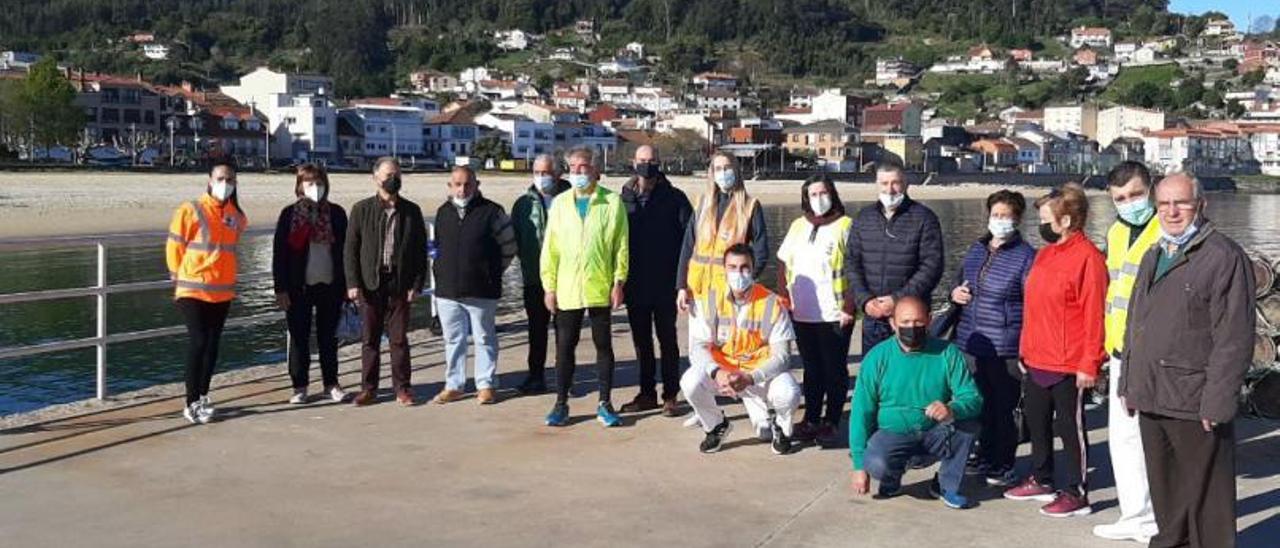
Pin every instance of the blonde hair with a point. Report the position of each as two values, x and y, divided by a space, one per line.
737 197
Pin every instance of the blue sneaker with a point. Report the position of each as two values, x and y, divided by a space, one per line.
559 415
606 415
955 500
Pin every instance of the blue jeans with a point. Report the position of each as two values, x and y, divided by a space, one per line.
888 453
460 318
874 331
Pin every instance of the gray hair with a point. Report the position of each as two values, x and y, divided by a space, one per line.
549 159
1197 188
385 160
471 173
890 167
582 151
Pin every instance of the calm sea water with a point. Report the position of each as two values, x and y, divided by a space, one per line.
34 382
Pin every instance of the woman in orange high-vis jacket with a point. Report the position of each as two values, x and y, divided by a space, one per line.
201 254
1061 349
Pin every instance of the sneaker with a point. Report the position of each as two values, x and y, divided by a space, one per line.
692 422
606 415
1030 489
559 415
886 491
447 395
191 412
641 403
715 438
299 396
337 394
1005 478
406 398
935 488
532 386
206 410
1067 504
781 444
955 500
1121 530
975 467
805 432
366 397
829 436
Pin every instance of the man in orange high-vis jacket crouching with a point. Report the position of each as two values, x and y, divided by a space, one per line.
202 259
740 346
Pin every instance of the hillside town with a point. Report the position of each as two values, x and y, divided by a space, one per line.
502 119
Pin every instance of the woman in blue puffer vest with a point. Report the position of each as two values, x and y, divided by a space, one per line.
989 287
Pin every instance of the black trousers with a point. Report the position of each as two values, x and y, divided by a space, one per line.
204 321
1056 408
323 303
998 380
539 320
1192 474
568 331
385 310
824 349
646 319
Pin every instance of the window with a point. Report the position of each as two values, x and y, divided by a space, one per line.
323 141
318 103
92 113
110 116
131 97
289 120
320 120
149 117
110 96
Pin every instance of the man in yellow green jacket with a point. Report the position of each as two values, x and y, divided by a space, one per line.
583 268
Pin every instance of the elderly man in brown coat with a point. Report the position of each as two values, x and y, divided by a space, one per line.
1188 344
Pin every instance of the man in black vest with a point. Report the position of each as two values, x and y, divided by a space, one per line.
657 214
475 244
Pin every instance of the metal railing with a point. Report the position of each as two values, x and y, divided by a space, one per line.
100 291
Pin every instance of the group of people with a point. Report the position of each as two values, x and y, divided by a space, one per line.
1165 306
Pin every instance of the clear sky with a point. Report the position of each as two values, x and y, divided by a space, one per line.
1239 10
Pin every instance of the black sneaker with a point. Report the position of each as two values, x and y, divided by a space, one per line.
715 438
781 444
886 492
532 386
935 488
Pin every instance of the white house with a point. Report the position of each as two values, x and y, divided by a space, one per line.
1124 50
1200 150
1265 141
719 99
636 49
474 74
1117 122
450 135
890 71
561 54
158 52
1081 119
1094 37
300 113
614 90
1219 27
619 65
528 138
715 80
387 130
17 59
512 40
432 81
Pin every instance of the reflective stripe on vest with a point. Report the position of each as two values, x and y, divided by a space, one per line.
747 342
835 262
706 264
1123 262
209 260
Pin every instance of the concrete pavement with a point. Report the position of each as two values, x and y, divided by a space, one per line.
271 474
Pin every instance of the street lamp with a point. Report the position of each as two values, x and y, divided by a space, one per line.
173 121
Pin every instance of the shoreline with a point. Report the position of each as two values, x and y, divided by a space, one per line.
43 204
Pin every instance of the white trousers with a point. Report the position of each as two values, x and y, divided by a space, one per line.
781 394
1128 462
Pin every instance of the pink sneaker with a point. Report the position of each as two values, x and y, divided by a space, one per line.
1067 504
1030 489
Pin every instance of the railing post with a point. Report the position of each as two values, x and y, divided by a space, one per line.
102 320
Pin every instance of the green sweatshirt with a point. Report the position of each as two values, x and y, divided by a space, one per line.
894 388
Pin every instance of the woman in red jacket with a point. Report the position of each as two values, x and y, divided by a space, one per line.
1061 349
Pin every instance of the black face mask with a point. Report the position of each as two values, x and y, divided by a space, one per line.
1048 235
647 170
913 337
392 185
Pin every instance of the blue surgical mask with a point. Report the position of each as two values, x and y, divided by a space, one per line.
580 181
739 281
1181 239
1136 211
1001 228
545 183
726 180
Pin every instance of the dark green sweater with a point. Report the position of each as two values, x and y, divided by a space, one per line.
895 387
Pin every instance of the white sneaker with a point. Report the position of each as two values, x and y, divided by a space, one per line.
692 421
1121 531
205 410
299 396
763 432
192 412
337 395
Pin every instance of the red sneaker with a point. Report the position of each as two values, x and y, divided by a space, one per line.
1067 504
1030 489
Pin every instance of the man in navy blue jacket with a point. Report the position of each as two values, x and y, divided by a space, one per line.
896 251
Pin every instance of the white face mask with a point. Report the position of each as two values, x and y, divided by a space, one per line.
891 201
313 192
460 202
726 180
739 281
545 183
221 190
820 204
1001 228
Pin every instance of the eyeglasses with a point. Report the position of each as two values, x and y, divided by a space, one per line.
1185 205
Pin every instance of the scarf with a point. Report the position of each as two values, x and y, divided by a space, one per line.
310 224
819 222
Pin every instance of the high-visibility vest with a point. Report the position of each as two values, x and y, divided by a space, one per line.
1123 261
742 342
834 241
201 251
712 239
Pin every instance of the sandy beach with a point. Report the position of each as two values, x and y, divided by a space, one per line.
37 204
